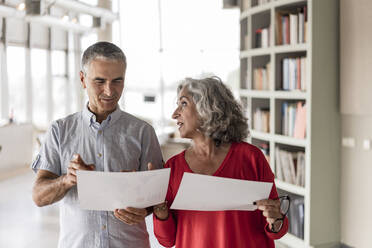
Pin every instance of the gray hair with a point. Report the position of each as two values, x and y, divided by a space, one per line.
220 115
102 50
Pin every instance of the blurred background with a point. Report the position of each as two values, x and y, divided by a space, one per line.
254 46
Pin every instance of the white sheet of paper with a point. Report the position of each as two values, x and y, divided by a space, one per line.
210 193
117 190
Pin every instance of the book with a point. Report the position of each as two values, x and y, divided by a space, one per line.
278 167
293 31
300 121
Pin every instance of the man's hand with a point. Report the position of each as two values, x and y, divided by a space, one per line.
271 210
132 216
75 164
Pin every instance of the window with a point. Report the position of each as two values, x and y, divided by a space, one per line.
39 89
60 84
16 82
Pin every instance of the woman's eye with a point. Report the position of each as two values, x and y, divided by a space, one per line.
183 104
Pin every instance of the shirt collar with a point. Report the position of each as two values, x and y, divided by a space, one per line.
89 118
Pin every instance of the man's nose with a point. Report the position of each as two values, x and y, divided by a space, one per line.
108 89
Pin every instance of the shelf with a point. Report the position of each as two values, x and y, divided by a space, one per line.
282 139
296 95
256 52
298 190
256 93
260 135
291 95
274 49
291 48
292 241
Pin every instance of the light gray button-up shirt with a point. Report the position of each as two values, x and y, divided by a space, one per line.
121 142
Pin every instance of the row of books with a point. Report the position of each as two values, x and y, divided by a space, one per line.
291 26
294 73
290 166
261 78
294 119
296 217
261 120
262 37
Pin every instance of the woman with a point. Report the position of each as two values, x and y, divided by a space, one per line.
208 114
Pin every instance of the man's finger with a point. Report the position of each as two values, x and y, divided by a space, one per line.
137 211
76 158
150 166
129 217
122 217
78 166
128 170
71 171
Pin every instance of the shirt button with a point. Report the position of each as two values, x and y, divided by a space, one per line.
103 227
99 155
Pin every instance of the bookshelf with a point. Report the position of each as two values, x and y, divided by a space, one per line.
319 77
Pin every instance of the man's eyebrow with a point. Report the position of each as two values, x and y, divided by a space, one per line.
183 97
98 78
118 78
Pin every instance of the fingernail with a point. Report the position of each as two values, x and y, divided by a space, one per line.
254 203
75 156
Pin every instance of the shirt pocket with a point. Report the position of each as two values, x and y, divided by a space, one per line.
124 153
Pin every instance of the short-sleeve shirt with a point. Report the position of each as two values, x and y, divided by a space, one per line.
121 142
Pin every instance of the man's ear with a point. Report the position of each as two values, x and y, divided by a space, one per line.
82 79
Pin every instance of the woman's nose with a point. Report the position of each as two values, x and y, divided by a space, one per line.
175 113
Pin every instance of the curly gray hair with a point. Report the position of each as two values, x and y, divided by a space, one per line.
102 50
220 115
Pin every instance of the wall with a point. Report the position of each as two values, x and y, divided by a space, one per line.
356 122
356 183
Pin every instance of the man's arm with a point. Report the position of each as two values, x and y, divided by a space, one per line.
50 188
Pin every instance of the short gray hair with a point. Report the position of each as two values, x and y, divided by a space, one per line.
102 50
220 115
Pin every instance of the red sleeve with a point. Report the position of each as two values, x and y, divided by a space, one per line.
281 232
268 176
165 230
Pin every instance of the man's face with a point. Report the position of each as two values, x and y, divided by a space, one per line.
104 81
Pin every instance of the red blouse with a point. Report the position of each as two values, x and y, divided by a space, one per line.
217 229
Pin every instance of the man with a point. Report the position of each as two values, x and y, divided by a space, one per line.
103 138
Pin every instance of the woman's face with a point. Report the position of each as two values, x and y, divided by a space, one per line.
186 115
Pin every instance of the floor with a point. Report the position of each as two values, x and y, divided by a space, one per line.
22 224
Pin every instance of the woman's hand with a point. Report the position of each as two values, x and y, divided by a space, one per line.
161 211
271 210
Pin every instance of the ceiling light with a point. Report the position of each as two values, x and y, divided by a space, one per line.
21 6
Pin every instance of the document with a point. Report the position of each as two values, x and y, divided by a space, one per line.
108 191
210 193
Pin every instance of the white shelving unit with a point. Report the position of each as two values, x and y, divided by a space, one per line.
322 142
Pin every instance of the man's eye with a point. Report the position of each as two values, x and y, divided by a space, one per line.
183 104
